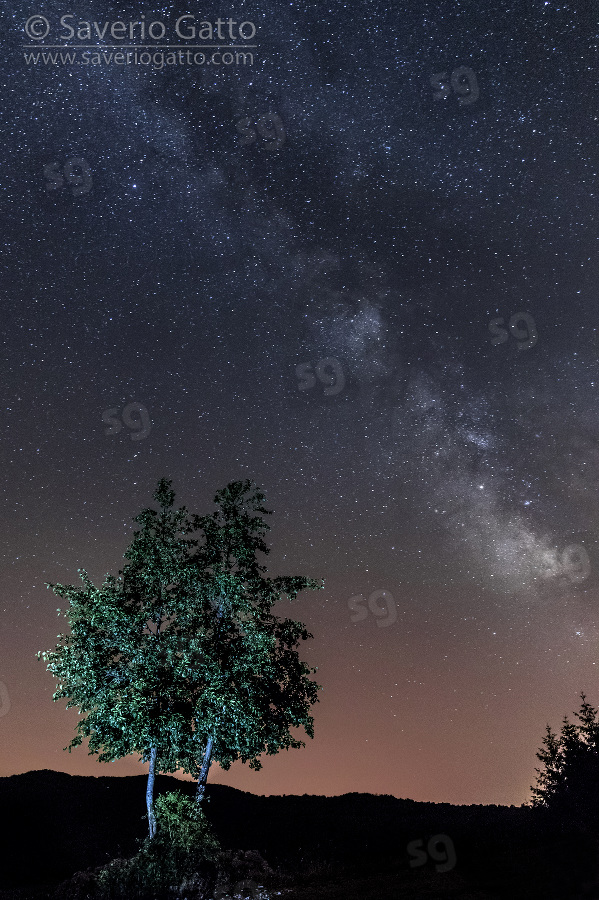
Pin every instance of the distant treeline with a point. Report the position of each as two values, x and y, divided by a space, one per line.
56 824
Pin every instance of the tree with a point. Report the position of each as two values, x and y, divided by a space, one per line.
248 686
568 785
180 659
114 665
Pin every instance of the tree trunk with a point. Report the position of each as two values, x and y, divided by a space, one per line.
203 776
150 792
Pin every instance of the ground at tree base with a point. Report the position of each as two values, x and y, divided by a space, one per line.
350 847
382 886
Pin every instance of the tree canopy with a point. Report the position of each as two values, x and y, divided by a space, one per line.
568 784
180 658
252 687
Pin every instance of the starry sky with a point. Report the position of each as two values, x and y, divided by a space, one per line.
362 272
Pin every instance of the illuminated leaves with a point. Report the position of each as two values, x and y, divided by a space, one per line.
183 645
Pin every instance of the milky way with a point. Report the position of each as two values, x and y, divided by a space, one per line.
361 271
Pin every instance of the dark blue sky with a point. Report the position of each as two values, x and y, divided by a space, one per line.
361 271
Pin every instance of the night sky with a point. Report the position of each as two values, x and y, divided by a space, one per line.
362 272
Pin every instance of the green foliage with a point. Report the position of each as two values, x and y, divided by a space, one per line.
182 823
183 647
568 785
257 689
183 848
113 665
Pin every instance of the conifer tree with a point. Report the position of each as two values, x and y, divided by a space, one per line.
568 785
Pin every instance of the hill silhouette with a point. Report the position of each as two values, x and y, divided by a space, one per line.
356 844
